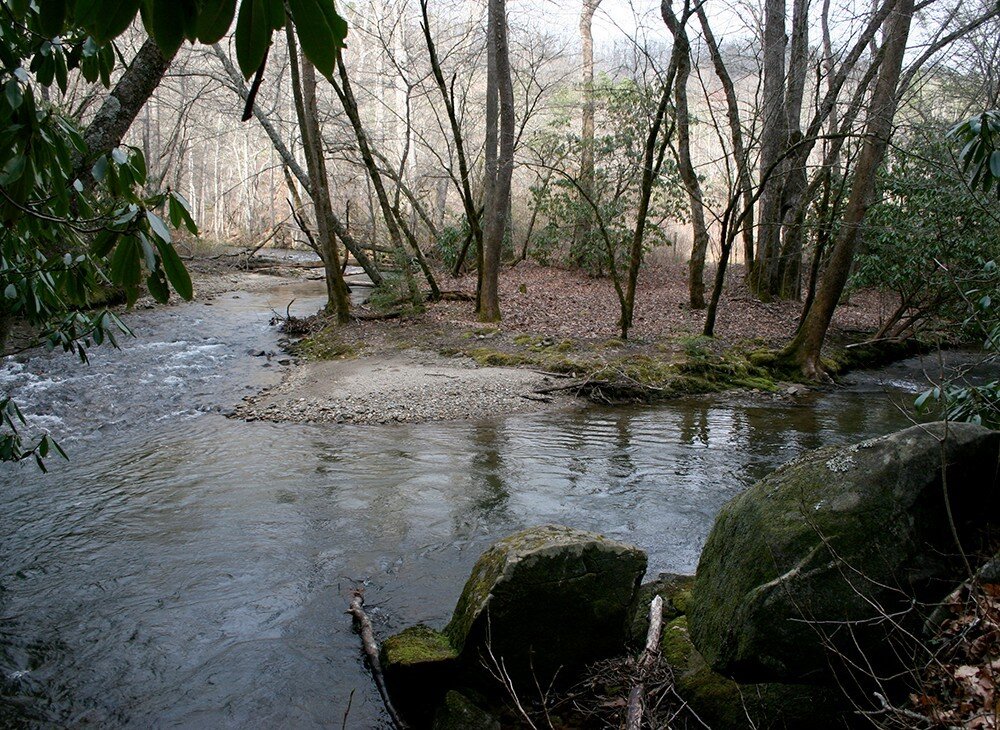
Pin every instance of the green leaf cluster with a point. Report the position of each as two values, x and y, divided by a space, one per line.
320 28
980 155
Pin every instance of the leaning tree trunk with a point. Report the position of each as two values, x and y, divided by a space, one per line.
735 134
463 183
338 226
805 348
122 106
304 90
501 104
345 93
699 249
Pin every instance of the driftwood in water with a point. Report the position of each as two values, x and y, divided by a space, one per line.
647 659
364 627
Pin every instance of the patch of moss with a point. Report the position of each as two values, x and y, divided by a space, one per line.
326 344
681 600
418 644
721 702
459 712
527 340
494 358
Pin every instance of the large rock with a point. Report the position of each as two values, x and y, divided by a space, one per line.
806 556
722 703
546 598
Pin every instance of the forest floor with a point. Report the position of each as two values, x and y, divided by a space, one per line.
558 340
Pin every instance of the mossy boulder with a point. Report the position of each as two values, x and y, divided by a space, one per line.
545 599
419 664
722 703
815 553
458 712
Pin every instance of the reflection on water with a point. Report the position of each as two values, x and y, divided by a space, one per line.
193 571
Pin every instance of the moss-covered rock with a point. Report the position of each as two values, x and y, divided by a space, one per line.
547 598
803 557
458 712
722 703
674 589
415 646
419 664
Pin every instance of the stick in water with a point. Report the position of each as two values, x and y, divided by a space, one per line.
364 626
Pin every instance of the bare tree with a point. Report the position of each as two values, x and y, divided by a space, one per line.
696 267
500 157
804 350
585 219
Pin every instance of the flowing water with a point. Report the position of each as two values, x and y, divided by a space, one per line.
188 570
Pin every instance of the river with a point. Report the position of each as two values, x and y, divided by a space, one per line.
188 570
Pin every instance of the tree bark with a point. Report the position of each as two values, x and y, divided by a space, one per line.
304 90
121 107
805 348
585 218
499 129
696 266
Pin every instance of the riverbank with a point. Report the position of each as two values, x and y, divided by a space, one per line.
555 349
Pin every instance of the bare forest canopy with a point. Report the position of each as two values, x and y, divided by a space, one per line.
761 113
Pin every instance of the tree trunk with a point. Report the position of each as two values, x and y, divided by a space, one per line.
6 321
304 89
124 103
696 266
463 183
293 165
773 136
787 281
652 160
735 134
345 93
585 218
805 348
499 122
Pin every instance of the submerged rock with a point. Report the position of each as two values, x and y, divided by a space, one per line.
807 555
546 598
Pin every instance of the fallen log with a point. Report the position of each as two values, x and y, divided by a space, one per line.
633 720
364 627
457 296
